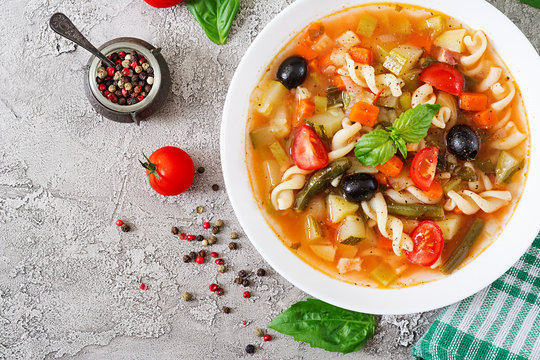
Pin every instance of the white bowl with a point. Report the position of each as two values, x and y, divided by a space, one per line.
523 63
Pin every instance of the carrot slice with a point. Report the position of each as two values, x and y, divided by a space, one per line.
485 119
392 167
364 113
435 190
473 102
313 33
338 81
304 109
313 66
384 243
361 55
420 40
381 178
306 52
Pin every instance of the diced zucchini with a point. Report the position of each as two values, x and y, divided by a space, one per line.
452 184
325 252
466 173
401 26
346 251
383 274
261 137
452 40
435 25
381 53
313 229
334 97
279 154
402 58
340 208
405 100
450 226
366 25
320 104
273 173
330 120
507 165
348 39
279 124
485 165
324 43
411 79
319 129
272 94
388 102
352 230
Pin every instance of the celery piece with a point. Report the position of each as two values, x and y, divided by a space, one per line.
273 93
381 53
313 229
405 100
402 58
435 25
401 26
279 154
261 137
320 104
366 25
507 165
272 172
452 40
383 274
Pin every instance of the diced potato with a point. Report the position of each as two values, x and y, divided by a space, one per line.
279 124
348 39
401 26
324 43
273 93
325 252
383 274
435 25
402 58
450 226
313 229
346 251
338 56
346 265
339 208
330 120
261 137
352 230
409 225
366 25
452 40
279 154
381 53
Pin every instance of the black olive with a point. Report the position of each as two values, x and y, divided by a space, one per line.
292 72
463 142
359 187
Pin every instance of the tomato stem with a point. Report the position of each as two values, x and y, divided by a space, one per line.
150 166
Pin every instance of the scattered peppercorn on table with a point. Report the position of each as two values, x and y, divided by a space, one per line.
89 252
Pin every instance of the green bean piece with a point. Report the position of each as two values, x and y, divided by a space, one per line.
417 211
452 184
461 251
319 180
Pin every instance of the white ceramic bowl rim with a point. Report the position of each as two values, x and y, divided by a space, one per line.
524 64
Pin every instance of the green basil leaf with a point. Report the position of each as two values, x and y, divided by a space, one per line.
215 17
375 148
533 3
413 124
402 147
325 326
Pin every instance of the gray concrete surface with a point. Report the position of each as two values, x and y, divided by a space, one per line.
69 279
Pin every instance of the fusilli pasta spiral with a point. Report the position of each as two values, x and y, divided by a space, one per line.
411 195
448 111
470 202
341 144
508 137
364 76
282 196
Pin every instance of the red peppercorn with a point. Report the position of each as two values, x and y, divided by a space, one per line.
190 237
125 72
118 62
102 87
124 92
121 54
110 71
143 286
114 99
119 222
244 322
182 236
110 96
246 294
109 57
106 93
206 225
219 292
219 261
202 253
199 259
140 98
214 254
267 337
142 61
213 287
134 64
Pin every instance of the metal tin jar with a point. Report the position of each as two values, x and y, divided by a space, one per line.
143 109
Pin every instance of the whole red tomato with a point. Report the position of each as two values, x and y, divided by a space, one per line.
163 3
170 170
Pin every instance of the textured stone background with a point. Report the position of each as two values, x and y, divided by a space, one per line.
68 278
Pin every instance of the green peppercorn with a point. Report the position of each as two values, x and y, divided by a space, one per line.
145 66
212 240
117 76
187 296
199 209
138 69
128 86
112 88
102 73
222 268
125 63
234 235
219 223
259 332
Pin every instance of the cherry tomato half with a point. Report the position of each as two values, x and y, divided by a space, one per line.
428 244
163 3
444 77
170 170
423 167
308 150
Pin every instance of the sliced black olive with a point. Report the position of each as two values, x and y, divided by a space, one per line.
292 72
359 187
463 142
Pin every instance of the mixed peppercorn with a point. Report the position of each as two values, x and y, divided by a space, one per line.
129 81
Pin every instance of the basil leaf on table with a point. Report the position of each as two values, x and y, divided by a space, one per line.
215 17
533 3
325 326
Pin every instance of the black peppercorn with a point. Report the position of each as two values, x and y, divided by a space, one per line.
134 101
200 169
238 281
118 93
114 56
250 349
193 255
125 79
137 89
141 84
215 187
261 272
233 246
199 238
215 229
245 282
118 67
122 101
108 83
147 88
226 309
150 70
135 78
242 273
125 227
128 101
186 258
143 76
99 80
175 230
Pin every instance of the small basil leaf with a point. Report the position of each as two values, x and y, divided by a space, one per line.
325 326
375 148
215 17
402 147
533 3
413 124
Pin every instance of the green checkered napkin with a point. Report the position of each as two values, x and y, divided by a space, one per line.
500 322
